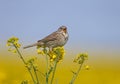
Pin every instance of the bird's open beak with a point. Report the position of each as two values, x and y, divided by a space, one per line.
65 30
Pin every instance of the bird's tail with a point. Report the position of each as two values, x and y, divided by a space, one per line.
32 45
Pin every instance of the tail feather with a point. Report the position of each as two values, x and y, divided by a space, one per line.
35 44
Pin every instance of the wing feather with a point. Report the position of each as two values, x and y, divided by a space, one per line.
50 37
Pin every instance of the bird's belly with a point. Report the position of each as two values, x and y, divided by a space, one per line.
61 42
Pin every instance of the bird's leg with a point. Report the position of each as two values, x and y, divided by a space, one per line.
50 49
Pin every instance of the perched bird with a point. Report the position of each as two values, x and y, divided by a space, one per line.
55 39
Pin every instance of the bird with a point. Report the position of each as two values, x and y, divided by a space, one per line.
56 39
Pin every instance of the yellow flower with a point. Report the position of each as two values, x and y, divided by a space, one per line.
87 67
14 51
13 41
57 53
31 62
8 44
17 44
85 55
52 56
40 52
81 58
51 60
75 60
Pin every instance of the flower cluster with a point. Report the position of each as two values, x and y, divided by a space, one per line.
39 51
13 42
31 63
57 54
81 58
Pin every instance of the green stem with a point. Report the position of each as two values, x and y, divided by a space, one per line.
47 76
54 69
31 75
76 74
35 71
25 63
20 55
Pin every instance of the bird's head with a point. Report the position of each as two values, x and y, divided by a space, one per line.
63 29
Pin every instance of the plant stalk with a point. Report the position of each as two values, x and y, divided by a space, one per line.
25 64
76 74
54 69
47 75
36 74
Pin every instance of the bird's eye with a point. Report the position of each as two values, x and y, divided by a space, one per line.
61 28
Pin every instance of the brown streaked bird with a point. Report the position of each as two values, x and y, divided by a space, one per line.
55 39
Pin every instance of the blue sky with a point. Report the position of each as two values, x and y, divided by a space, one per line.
91 23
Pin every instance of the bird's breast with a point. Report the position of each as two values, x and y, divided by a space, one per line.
63 39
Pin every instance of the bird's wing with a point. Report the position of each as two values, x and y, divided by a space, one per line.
50 37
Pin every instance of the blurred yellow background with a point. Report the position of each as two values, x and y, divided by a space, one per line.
103 70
